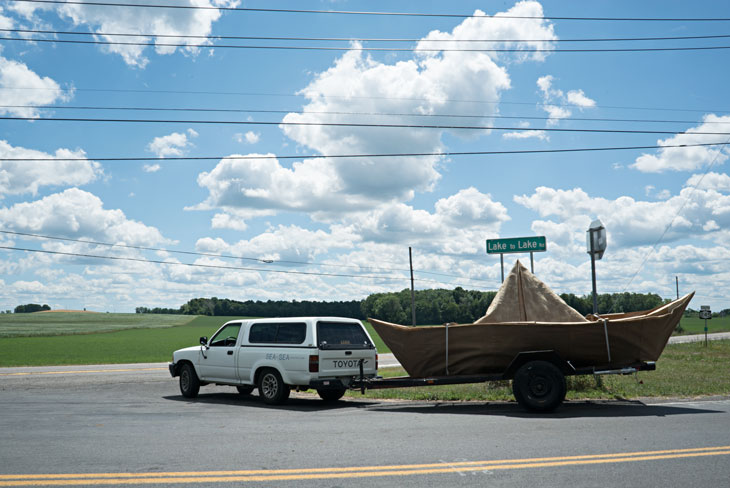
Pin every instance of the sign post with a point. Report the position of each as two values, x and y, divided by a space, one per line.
706 314
517 244
596 244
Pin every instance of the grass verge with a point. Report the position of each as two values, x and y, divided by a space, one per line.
684 370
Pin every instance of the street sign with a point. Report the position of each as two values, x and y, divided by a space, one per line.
516 244
705 312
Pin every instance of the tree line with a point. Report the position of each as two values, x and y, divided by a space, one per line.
435 306
31 307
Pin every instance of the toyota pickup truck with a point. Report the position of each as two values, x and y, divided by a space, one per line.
277 355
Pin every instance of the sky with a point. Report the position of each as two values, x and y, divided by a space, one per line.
148 162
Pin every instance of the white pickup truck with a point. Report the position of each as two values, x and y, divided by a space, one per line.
276 355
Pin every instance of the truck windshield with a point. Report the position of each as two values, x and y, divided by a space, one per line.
342 335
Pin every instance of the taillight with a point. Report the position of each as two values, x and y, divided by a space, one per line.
314 364
376 362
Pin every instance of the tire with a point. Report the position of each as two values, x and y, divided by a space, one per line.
539 386
272 388
331 395
189 382
244 389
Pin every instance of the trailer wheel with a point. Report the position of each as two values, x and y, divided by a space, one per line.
539 386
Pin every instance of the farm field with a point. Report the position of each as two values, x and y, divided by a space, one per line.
694 325
110 343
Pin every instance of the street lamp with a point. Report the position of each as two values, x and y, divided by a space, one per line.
596 245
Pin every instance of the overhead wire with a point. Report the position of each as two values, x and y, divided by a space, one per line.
362 39
377 13
365 155
225 256
355 97
354 125
362 48
218 266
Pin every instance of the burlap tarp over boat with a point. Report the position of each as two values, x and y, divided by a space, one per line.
526 315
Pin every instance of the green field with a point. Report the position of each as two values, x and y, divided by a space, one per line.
65 323
697 326
110 342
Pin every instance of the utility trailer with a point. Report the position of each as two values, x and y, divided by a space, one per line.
538 379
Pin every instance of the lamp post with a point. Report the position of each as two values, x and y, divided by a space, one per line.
596 245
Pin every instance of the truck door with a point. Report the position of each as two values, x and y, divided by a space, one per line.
218 363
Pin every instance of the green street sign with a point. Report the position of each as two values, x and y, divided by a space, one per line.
517 244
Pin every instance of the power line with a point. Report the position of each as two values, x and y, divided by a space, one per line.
363 39
356 125
213 266
360 48
372 155
225 256
355 97
391 14
378 114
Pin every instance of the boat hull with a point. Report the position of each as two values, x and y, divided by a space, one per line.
610 342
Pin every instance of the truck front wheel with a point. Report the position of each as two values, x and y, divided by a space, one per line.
272 388
189 382
539 386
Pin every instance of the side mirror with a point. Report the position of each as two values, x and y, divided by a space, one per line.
204 341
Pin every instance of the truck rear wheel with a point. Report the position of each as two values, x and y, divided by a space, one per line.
539 386
272 388
189 382
332 394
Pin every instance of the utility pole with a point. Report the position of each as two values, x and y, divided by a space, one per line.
413 291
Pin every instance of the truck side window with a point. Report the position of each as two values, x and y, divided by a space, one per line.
273 333
226 337
262 333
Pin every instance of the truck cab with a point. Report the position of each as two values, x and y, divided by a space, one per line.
276 355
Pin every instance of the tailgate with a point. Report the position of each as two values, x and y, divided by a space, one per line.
346 362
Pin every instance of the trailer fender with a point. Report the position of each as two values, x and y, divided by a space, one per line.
525 357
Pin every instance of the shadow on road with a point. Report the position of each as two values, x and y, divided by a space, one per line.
571 409
302 403
604 408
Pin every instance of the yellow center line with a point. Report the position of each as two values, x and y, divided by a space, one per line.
349 472
82 371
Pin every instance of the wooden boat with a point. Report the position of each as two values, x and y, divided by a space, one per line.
527 316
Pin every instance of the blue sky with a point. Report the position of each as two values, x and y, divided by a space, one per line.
279 226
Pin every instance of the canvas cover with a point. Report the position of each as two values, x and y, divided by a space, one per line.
524 298
489 346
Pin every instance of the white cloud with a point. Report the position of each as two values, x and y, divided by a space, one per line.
710 181
173 144
426 84
150 25
151 168
77 213
227 221
19 85
19 177
532 134
689 158
554 100
249 137
630 222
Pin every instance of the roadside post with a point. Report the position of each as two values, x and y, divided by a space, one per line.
596 244
517 244
705 313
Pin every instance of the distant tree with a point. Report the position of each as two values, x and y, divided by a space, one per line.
31 307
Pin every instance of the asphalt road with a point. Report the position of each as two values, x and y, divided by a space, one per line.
121 425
